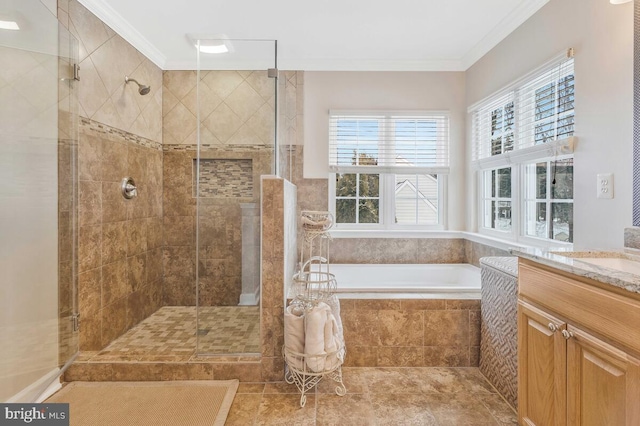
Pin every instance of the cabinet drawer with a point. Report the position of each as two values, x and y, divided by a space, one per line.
608 314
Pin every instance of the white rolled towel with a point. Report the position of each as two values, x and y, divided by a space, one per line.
314 348
294 336
334 304
332 342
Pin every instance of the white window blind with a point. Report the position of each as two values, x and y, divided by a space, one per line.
532 116
375 142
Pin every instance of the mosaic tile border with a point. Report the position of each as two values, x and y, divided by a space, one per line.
86 124
224 178
211 147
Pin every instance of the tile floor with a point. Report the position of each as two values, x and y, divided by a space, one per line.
169 334
378 396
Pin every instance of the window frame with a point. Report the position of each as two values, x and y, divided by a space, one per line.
548 200
387 178
523 153
387 209
512 234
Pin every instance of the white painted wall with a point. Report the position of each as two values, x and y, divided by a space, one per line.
602 36
444 91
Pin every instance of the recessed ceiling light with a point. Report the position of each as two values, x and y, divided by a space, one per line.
9 25
211 43
619 1
220 48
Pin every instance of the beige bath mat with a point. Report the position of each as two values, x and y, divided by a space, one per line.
184 403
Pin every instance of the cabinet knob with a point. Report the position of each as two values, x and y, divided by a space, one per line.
553 327
567 334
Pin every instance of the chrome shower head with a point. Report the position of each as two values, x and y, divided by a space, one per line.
142 89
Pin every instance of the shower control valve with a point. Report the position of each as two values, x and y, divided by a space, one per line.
129 189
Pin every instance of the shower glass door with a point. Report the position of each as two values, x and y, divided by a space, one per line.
38 140
237 110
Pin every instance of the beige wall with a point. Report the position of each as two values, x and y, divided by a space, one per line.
602 36
443 91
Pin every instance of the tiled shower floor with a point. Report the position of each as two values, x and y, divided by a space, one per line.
169 335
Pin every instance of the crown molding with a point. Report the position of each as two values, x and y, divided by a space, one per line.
332 65
513 20
505 27
113 19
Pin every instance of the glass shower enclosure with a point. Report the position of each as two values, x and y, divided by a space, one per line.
237 116
38 182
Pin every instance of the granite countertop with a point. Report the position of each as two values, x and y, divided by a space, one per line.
626 276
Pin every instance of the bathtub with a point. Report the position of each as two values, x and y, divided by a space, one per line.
403 281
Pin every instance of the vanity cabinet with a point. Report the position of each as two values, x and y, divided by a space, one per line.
578 346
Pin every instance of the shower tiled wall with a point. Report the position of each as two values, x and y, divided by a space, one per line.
105 60
120 241
278 250
236 108
220 234
237 133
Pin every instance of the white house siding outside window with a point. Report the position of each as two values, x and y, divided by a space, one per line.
523 139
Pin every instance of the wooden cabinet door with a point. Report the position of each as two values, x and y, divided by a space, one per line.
541 368
603 383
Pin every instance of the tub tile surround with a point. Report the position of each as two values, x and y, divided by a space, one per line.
397 250
411 332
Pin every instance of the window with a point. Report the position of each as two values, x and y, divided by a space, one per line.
522 148
497 199
548 200
389 168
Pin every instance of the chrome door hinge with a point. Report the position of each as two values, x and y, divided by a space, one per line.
272 73
76 72
75 322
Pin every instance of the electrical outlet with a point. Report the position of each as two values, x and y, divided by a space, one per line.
605 185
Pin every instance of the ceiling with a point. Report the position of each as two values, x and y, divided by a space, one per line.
376 35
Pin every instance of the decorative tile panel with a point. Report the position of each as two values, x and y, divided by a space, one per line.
224 178
499 328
